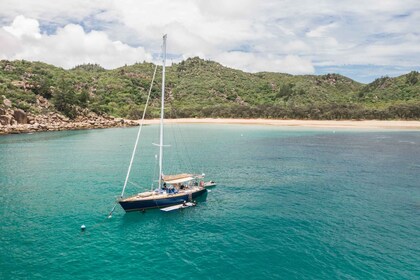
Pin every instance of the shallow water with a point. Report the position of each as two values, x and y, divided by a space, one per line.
290 203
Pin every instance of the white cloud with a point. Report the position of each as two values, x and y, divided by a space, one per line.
56 11
320 33
259 62
22 26
68 47
9 44
230 9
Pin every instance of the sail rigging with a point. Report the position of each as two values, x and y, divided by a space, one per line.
138 134
172 189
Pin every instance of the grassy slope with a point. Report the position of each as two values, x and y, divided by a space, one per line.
202 88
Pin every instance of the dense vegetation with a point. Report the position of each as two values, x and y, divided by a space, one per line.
199 88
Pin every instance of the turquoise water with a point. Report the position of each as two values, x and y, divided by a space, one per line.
290 204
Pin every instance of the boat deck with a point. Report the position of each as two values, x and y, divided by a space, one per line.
156 195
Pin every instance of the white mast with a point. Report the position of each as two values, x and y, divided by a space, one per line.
162 112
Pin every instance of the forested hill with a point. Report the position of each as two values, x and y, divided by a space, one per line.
201 88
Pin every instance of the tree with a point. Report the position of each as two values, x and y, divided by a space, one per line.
65 100
84 98
286 91
412 77
43 87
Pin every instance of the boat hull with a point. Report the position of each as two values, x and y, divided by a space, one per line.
143 204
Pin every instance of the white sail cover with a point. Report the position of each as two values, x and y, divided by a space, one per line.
177 179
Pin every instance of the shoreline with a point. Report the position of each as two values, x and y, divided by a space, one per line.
353 124
17 121
321 124
100 123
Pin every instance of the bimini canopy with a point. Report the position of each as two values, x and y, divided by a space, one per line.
178 178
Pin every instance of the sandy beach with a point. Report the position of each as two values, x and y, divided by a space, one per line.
351 124
319 124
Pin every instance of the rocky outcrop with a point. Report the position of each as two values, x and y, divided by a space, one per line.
18 121
5 119
20 116
14 120
42 102
7 102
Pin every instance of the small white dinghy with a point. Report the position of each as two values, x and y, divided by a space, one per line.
178 206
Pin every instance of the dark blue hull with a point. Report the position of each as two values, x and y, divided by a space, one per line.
142 204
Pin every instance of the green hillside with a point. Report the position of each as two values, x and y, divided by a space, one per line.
200 88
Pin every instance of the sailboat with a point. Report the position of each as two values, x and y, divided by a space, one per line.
172 189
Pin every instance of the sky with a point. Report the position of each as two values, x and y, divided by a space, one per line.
361 39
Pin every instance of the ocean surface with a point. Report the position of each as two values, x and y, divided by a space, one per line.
290 204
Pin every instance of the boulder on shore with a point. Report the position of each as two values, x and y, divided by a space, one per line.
5 119
20 116
18 121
